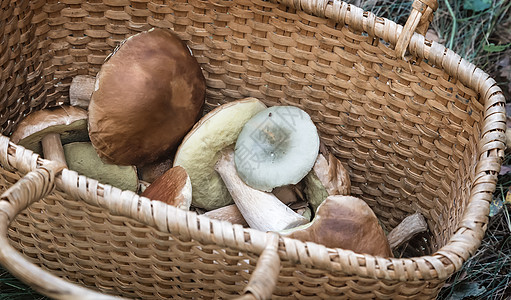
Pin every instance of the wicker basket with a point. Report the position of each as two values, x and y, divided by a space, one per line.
417 127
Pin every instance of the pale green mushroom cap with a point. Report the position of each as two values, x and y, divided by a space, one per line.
278 146
82 158
201 148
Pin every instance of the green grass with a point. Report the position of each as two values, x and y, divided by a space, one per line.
12 289
483 38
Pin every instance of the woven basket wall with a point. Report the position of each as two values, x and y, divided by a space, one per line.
423 133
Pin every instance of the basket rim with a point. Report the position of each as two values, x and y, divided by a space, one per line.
438 266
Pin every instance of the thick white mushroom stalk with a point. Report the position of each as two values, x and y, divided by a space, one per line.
278 146
261 210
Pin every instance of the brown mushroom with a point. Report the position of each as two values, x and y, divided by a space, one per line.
44 131
148 95
344 222
153 171
173 187
290 193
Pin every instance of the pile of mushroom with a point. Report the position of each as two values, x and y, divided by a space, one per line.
242 162
60 134
252 165
147 95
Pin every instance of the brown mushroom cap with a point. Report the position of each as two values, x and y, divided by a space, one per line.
68 121
148 95
345 222
173 187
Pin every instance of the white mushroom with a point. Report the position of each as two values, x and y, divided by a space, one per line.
277 147
261 210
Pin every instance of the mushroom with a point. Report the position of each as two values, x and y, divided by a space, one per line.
201 148
328 177
407 229
44 131
147 96
229 213
173 187
82 158
261 210
290 193
232 214
80 90
153 171
277 147
344 222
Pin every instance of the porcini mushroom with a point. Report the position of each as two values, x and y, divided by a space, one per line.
344 222
229 213
44 131
407 229
153 171
80 90
261 210
82 158
148 95
290 193
173 187
201 148
232 214
277 147
327 177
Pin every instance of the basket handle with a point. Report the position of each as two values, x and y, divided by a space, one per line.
39 183
34 186
264 278
418 21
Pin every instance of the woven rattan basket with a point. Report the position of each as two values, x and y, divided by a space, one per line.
418 128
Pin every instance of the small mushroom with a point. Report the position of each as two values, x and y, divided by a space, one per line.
173 187
44 131
277 147
289 193
344 222
80 90
201 148
151 172
407 229
148 95
261 210
229 213
328 177
82 158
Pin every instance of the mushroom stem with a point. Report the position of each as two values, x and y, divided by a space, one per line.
52 148
81 90
229 213
261 210
407 229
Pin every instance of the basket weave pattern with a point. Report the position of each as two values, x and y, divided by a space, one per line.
424 133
